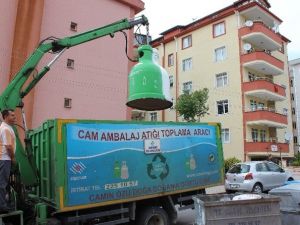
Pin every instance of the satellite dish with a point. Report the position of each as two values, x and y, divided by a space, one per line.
249 23
247 47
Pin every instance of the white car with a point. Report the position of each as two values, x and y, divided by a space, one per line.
255 176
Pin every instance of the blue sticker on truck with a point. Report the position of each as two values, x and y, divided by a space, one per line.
107 162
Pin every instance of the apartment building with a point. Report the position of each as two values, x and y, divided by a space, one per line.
239 54
88 81
294 66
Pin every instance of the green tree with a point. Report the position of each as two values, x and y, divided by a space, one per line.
193 106
228 163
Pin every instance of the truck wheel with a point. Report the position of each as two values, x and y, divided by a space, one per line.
153 216
53 221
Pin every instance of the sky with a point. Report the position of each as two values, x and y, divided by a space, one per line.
164 14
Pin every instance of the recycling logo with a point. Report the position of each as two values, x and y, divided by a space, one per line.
158 168
211 157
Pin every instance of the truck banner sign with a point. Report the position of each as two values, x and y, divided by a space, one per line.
109 161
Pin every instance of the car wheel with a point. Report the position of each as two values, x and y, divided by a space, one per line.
290 179
257 188
230 191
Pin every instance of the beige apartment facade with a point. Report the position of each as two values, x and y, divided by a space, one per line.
240 56
294 66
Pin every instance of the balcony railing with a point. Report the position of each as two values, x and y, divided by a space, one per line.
266 147
261 35
262 62
266 117
264 89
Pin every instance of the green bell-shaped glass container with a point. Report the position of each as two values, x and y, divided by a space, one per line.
149 85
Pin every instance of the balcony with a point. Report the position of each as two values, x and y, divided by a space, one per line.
261 36
267 147
255 12
262 62
266 117
264 89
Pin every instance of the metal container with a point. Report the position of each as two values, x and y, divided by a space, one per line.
220 209
289 204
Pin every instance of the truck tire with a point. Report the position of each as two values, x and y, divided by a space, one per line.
53 221
152 216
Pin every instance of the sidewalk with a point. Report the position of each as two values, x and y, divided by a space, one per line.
215 190
295 171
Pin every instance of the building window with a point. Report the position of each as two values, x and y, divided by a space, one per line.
221 79
292 97
187 42
171 78
219 29
291 82
73 26
68 103
172 107
253 105
187 64
261 106
281 49
222 107
251 76
153 116
285 111
225 135
220 54
295 125
254 134
262 135
171 60
295 140
70 63
187 87
293 111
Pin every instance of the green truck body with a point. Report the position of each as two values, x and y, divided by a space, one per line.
85 164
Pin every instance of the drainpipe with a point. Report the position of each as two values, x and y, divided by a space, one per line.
163 65
237 13
176 74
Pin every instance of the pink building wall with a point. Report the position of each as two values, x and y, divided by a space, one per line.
98 83
8 11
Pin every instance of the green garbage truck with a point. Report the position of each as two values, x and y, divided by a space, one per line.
106 172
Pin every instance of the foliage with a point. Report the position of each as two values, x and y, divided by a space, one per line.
296 161
230 162
193 106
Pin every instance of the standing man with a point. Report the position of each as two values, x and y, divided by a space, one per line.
7 153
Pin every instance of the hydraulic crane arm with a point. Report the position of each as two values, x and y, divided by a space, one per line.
15 91
13 94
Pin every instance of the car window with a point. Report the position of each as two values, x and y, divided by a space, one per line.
273 167
261 167
240 168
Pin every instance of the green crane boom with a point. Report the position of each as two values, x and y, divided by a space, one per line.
15 91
